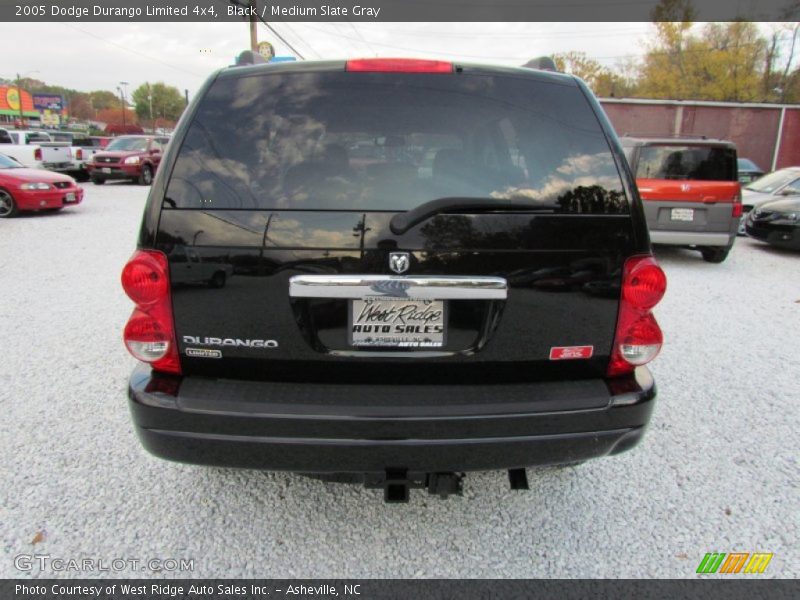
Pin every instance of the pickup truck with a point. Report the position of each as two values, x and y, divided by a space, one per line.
56 156
28 155
83 150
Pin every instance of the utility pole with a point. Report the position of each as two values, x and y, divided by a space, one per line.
122 99
150 100
253 25
19 93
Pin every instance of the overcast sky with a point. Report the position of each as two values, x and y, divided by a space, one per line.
88 56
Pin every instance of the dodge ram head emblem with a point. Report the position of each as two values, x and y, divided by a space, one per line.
399 262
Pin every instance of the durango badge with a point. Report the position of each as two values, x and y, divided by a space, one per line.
399 262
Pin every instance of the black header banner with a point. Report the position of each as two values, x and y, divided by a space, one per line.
392 10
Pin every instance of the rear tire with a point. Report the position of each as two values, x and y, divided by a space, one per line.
98 181
146 176
714 255
8 206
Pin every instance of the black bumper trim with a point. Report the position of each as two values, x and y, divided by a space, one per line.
344 438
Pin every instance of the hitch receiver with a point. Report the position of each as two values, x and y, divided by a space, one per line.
396 484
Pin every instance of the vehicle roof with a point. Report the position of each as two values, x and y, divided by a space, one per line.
313 66
628 140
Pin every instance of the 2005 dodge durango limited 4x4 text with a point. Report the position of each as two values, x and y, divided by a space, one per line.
433 268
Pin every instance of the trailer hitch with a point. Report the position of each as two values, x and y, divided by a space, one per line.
397 483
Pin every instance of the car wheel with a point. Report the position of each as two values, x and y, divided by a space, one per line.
83 176
98 181
146 176
218 280
714 255
8 208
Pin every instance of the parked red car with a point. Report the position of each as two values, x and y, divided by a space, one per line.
132 157
34 189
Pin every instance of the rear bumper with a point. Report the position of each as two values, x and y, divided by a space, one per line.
711 224
371 428
685 238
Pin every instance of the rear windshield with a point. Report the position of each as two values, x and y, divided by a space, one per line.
696 163
376 141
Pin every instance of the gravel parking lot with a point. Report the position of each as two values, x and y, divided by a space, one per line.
717 472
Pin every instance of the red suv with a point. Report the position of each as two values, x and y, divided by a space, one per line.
132 157
690 191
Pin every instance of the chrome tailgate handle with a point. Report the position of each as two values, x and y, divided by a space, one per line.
425 288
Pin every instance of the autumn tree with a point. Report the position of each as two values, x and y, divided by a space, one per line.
601 80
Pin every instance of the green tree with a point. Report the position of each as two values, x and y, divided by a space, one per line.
103 100
166 101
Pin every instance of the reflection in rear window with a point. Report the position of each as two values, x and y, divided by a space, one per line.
376 141
697 163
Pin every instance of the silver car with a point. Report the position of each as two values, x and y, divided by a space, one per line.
780 183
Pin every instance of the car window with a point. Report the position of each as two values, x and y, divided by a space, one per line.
5 137
792 189
36 137
127 144
376 141
774 181
8 163
695 163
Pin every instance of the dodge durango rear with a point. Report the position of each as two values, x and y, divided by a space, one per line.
430 268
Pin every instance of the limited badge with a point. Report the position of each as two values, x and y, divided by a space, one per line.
571 352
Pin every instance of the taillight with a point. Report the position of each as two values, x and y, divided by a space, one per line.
150 332
738 208
398 65
79 154
638 338
37 154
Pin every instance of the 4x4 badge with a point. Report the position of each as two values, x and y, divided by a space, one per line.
399 262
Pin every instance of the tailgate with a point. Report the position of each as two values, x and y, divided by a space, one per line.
696 206
561 285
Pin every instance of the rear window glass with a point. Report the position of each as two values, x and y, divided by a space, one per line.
375 141
696 163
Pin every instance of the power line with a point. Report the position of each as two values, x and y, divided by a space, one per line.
268 26
132 51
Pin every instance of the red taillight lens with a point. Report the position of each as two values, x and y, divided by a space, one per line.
638 338
737 210
643 283
37 154
79 154
150 332
398 65
145 279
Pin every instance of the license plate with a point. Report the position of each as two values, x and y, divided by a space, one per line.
682 214
106 170
397 323
70 197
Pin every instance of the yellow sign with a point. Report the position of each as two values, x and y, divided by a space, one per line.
266 50
12 97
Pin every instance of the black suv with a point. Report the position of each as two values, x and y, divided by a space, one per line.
434 268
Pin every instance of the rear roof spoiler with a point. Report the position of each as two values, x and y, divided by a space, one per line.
543 63
248 57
